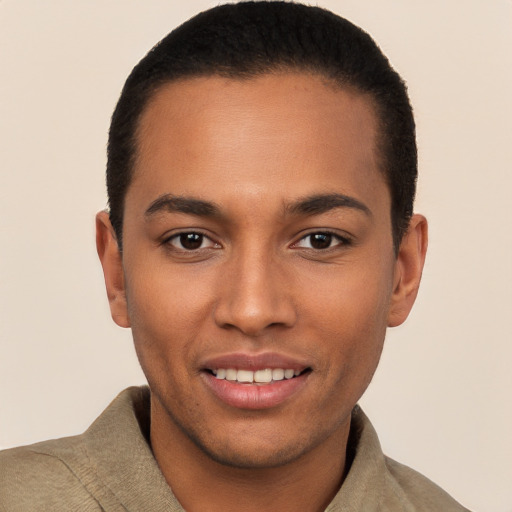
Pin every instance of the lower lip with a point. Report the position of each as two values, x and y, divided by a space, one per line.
252 396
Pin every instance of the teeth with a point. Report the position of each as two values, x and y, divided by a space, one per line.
278 374
230 374
245 376
259 376
263 375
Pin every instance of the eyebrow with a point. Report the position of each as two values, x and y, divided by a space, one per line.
310 205
322 203
180 204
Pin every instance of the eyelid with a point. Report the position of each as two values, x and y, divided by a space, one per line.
168 237
343 240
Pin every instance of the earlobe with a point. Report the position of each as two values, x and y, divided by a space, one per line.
111 261
408 270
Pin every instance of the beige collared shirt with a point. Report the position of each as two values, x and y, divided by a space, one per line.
111 468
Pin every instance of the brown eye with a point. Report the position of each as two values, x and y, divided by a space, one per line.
191 241
321 240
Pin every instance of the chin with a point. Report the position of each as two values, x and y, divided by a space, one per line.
241 456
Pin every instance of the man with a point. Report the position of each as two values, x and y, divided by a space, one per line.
260 240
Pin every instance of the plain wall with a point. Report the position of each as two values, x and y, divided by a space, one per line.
441 397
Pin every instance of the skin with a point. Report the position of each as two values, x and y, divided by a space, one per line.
258 283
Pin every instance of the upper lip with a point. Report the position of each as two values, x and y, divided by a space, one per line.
249 361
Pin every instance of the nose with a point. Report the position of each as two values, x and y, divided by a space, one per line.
255 295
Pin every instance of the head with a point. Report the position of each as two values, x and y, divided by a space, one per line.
261 176
246 40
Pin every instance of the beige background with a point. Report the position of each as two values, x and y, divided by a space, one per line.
441 399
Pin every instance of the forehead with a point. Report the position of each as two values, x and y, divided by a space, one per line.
275 134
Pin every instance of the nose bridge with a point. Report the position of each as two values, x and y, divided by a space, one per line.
254 293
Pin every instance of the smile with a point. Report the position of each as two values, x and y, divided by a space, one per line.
255 381
264 376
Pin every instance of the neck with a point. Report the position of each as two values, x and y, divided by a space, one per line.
201 483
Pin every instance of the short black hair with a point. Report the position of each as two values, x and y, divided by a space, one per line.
248 39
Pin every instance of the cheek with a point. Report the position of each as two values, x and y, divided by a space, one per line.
351 297
167 311
162 297
351 316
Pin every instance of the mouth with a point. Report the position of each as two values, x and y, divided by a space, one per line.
255 381
257 377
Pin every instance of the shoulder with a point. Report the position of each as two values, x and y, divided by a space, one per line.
90 472
38 477
377 483
416 489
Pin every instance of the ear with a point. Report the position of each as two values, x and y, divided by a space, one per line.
111 261
408 269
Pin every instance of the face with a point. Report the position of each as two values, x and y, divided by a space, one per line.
258 273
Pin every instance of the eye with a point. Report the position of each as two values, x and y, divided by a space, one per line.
191 241
321 241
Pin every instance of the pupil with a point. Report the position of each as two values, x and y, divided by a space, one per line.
191 241
321 240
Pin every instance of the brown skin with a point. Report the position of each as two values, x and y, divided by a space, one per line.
256 283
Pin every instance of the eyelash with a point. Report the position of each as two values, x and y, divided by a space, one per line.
177 236
341 241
